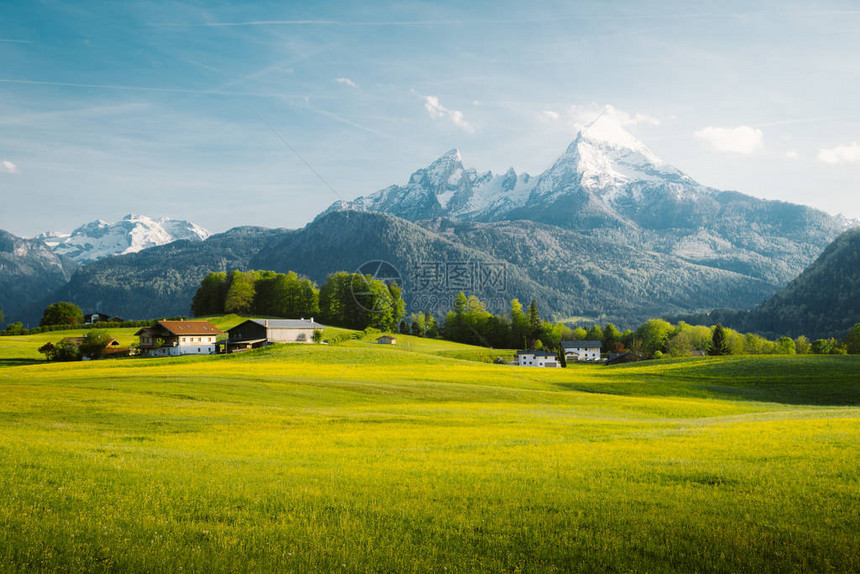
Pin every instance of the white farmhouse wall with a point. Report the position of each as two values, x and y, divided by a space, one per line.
529 360
283 335
582 354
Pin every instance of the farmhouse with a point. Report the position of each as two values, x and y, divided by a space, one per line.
172 338
255 333
581 350
386 340
93 318
111 343
537 359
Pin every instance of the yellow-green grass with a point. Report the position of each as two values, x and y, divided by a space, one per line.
438 347
15 350
361 457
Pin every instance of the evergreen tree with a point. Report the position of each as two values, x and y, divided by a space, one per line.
719 343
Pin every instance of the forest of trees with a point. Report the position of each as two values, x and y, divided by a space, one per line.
470 322
348 300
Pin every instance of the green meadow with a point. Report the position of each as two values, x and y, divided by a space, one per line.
425 456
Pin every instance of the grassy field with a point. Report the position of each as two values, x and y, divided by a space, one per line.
363 457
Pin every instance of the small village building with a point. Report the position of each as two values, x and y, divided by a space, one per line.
386 340
112 347
537 359
255 333
173 338
581 351
80 341
93 318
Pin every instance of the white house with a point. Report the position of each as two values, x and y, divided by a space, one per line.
581 350
537 359
172 338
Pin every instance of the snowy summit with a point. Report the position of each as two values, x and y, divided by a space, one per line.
603 169
99 239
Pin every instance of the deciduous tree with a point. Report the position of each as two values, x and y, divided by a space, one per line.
63 313
94 343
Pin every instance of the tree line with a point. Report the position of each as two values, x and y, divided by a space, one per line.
66 316
349 300
469 322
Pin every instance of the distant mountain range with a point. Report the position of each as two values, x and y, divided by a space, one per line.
610 232
609 186
99 239
29 271
631 286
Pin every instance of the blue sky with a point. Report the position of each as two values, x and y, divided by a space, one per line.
109 108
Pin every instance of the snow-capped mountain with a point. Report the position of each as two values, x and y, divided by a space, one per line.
603 173
446 189
607 184
99 239
28 270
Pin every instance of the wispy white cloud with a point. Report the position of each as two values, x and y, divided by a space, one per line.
792 155
7 166
740 139
346 82
438 111
549 115
840 154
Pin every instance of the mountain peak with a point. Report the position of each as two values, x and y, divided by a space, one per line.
452 154
607 156
445 171
608 131
100 239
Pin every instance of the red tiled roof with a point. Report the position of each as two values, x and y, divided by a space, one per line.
191 328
